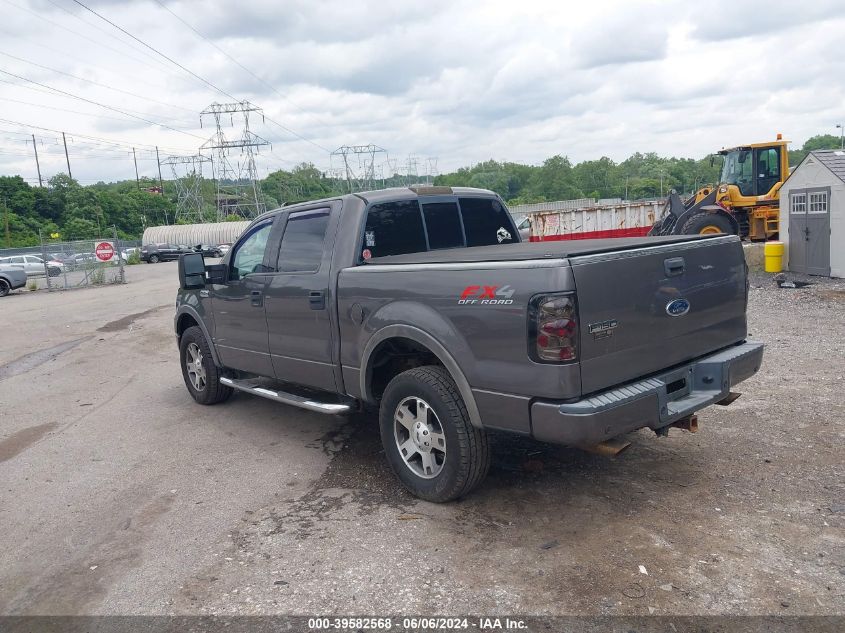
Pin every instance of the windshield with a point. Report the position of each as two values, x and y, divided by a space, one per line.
736 170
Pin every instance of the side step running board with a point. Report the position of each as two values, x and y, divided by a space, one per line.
257 388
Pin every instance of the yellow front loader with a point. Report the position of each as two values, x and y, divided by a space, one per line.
745 202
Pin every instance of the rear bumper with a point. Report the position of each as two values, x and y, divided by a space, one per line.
646 403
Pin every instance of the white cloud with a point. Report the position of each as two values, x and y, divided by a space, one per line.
460 80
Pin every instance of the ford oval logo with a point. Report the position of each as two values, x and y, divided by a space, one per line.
678 307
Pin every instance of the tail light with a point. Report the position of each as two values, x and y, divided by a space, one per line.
553 328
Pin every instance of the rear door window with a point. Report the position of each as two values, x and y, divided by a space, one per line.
443 225
394 228
486 222
302 243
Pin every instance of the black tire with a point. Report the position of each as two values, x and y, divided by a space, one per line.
466 458
153 259
5 288
211 392
706 223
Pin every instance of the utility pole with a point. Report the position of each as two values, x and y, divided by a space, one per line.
8 235
67 158
841 135
135 158
160 181
37 165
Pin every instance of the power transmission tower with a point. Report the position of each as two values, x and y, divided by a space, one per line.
411 177
236 176
359 165
430 170
389 165
187 176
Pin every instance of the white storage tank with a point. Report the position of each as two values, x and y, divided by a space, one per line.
212 233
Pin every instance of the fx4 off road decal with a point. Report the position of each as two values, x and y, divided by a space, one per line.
486 295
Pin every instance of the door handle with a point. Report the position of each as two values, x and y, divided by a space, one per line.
256 298
317 300
674 266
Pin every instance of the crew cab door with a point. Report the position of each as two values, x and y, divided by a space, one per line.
300 299
240 326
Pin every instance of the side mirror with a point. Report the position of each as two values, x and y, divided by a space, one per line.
191 271
217 273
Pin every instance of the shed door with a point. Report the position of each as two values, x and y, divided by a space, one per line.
809 231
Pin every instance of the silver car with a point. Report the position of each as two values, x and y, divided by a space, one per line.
33 266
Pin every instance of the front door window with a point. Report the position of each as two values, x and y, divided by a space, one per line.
249 254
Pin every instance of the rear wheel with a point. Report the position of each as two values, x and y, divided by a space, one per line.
5 288
153 259
428 437
707 224
202 376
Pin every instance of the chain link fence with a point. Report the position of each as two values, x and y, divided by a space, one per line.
68 264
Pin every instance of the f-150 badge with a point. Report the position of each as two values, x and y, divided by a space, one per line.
602 329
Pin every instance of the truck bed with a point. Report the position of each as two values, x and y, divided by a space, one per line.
534 250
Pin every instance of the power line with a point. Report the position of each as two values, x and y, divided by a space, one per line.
297 135
87 136
83 36
51 92
195 75
39 105
106 32
251 73
155 50
96 103
96 83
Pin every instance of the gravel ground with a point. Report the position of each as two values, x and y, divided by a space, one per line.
121 496
745 517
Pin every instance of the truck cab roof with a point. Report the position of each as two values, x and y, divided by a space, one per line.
394 193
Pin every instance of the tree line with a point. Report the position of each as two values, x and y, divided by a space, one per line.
66 209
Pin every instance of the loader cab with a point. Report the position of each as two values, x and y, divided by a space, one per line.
755 169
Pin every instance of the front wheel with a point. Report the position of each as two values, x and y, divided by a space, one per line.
153 259
707 224
202 376
428 437
5 288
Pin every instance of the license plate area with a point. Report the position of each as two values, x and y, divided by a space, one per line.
678 384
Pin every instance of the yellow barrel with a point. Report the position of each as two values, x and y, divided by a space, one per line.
773 252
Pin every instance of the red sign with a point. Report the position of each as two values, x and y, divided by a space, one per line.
104 251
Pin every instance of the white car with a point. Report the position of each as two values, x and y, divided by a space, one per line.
33 266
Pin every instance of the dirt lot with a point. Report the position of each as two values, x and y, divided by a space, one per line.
120 495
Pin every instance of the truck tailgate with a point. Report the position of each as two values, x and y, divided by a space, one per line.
650 308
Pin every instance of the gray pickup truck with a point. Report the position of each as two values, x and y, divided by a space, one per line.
424 303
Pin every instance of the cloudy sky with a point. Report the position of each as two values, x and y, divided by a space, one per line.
458 80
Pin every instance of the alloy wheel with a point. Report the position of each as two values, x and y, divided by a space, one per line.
419 437
194 366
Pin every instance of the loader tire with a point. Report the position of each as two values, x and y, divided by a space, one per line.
707 224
